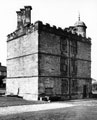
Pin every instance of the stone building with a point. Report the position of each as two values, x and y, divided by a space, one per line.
44 60
3 74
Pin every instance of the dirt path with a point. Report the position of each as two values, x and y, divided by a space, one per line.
30 108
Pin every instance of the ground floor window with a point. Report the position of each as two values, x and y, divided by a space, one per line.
48 91
64 86
49 85
74 86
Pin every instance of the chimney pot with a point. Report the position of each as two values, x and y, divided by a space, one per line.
23 16
28 14
19 19
28 7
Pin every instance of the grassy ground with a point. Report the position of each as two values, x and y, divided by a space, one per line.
14 101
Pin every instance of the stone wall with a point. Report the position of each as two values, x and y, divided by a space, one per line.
41 63
52 83
50 55
22 65
83 60
23 45
84 51
23 87
25 66
49 65
49 43
83 69
50 52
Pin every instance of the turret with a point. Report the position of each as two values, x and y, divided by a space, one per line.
80 27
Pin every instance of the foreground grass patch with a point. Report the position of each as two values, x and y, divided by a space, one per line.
15 101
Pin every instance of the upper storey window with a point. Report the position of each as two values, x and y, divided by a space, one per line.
64 66
73 67
73 47
64 45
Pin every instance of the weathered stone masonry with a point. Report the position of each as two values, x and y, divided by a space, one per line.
48 61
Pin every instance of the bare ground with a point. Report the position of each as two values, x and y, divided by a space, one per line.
80 110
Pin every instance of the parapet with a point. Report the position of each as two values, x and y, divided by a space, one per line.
25 27
39 26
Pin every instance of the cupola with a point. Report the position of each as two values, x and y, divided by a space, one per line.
80 27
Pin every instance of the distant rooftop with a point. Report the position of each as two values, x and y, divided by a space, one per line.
2 68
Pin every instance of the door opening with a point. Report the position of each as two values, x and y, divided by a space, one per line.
84 91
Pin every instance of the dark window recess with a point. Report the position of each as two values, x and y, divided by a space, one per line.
64 69
48 91
73 47
64 48
74 86
84 91
73 67
64 87
64 66
63 45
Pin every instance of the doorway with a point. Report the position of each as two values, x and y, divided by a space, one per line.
84 91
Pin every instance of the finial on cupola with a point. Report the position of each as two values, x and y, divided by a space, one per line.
78 16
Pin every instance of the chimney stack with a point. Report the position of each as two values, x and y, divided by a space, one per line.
19 19
28 14
24 17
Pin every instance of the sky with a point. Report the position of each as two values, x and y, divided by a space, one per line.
61 13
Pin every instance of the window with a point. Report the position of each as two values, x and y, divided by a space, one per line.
49 85
64 66
64 86
73 67
73 47
63 45
48 91
74 86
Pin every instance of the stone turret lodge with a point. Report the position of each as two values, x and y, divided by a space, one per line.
44 60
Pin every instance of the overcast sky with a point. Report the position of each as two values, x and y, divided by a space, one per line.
62 13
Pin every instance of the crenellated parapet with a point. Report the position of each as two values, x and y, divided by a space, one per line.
67 32
22 31
25 27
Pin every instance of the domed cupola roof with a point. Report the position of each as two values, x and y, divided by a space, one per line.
79 23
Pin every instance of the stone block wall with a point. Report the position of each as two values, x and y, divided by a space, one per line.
49 65
49 43
25 66
83 59
23 45
23 87
22 65
41 63
52 84
83 68
50 54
